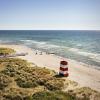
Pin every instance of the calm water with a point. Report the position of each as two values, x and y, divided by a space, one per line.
83 46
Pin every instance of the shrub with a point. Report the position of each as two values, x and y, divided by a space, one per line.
56 95
55 84
4 81
10 71
26 81
13 66
85 93
15 94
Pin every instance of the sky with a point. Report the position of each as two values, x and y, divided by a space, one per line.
49 14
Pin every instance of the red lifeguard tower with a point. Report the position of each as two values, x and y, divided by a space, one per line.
63 71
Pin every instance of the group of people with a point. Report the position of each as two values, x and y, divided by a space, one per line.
40 53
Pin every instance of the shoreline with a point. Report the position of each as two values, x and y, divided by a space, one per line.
85 76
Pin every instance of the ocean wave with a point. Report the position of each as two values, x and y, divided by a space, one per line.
82 52
40 44
6 41
32 41
48 46
94 56
78 45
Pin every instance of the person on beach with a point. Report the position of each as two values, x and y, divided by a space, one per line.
36 53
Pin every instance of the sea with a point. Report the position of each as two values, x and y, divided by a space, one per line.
79 45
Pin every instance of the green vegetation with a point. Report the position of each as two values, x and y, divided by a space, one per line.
55 95
85 93
15 94
6 51
19 80
4 81
28 77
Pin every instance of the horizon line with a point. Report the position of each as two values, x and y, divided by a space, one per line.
46 30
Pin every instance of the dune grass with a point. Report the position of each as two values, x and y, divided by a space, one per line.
19 80
85 93
4 81
6 51
30 77
27 77
55 95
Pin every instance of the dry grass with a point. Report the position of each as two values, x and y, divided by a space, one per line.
4 81
85 93
26 77
15 94
55 95
6 51
19 81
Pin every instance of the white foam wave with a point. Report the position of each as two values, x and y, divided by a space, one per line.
48 46
32 41
6 41
40 44
79 45
94 56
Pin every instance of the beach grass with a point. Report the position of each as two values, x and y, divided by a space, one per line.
6 51
19 80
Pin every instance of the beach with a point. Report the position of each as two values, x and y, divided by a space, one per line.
83 75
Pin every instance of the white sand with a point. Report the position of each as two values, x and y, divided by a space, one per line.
85 76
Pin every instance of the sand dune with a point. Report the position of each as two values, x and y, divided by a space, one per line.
78 72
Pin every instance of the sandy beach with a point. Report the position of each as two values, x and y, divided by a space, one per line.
85 76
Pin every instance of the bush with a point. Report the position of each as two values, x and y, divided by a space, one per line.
26 81
47 95
4 81
55 84
85 93
13 66
15 94
10 71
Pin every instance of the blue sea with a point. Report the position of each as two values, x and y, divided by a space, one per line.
82 46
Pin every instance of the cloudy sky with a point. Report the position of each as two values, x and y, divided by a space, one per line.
50 14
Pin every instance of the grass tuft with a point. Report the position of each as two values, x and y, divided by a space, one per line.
6 51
